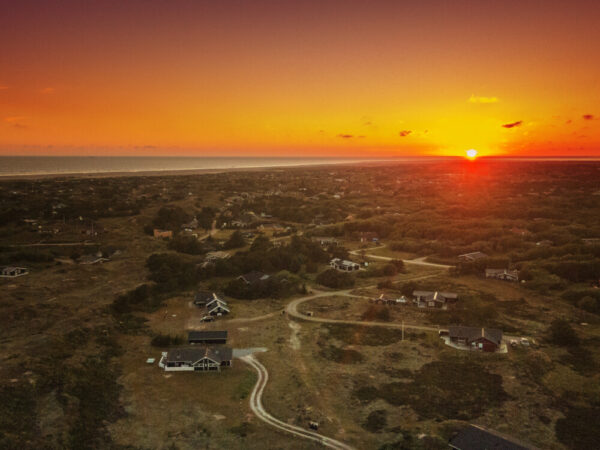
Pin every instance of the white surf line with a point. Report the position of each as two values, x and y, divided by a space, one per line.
258 409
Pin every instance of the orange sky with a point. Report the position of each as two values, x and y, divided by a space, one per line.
377 78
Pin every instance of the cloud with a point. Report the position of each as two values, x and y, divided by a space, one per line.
405 133
345 136
588 117
513 124
48 90
485 100
16 122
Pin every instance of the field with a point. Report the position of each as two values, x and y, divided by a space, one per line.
72 330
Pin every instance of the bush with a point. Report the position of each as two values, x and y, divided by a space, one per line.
376 421
186 244
334 279
342 355
166 340
236 240
579 428
170 218
561 333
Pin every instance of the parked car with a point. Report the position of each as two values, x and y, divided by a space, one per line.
207 319
514 343
525 342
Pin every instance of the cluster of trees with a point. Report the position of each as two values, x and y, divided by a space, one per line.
143 298
172 272
390 269
561 333
170 218
335 279
277 286
265 257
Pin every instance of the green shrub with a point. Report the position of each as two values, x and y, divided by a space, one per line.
376 421
561 333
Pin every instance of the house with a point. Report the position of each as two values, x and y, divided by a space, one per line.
429 299
475 437
502 274
202 298
207 337
344 265
327 241
388 300
213 256
164 234
190 225
210 358
92 259
484 339
369 236
473 256
13 272
217 307
253 277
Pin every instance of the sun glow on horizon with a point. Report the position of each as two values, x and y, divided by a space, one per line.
471 153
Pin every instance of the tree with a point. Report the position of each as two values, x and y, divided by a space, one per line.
561 333
236 240
335 279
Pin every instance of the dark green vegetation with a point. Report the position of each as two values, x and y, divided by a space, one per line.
372 336
64 323
454 389
335 279
579 429
166 340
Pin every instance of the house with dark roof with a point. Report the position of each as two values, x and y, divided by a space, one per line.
502 274
210 358
202 298
475 437
13 272
473 256
434 299
475 338
253 277
207 337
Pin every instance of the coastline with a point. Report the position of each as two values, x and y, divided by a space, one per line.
175 172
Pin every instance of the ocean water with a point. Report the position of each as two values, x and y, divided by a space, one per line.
52 165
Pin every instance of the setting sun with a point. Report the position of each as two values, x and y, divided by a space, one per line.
471 153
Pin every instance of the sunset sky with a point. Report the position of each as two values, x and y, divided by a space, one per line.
314 78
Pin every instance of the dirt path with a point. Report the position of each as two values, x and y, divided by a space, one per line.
416 261
294 339
292 310
258 409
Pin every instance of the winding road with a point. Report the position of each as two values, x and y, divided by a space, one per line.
292 310
417 261
258 409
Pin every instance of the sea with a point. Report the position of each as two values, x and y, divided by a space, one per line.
17 166
58 165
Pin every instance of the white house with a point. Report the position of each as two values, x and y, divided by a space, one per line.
344 265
